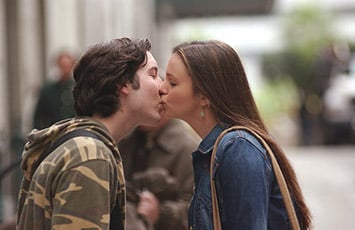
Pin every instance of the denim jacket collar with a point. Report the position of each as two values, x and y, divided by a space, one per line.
207 143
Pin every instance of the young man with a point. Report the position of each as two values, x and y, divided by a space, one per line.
79 184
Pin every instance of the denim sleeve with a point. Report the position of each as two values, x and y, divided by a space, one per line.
243 184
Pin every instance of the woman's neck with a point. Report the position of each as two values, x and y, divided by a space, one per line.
203 125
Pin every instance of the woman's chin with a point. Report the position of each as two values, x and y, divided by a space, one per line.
166 114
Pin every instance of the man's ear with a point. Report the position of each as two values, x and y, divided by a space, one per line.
123 89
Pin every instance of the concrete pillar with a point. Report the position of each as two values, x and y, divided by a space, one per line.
30 58
7 208
98 21
4 125
62 31
164 35
144 18
20 73
124 18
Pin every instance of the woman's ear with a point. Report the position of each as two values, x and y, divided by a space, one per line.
204 101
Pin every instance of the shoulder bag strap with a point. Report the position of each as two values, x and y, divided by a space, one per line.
279 177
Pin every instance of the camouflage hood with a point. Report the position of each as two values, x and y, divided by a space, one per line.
38 141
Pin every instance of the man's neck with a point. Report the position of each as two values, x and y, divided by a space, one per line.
118 125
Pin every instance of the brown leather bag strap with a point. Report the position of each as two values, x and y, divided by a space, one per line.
279 177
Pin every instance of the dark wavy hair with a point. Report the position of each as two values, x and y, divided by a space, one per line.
218 73
102 70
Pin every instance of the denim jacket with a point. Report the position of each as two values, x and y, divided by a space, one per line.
248 194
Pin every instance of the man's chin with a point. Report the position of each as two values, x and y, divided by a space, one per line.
153 122
158 117
162 113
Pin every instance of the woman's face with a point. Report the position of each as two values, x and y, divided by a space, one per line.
179 100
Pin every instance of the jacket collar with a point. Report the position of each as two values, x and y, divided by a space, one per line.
207 143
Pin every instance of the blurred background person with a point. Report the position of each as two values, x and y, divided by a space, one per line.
55 101
159 178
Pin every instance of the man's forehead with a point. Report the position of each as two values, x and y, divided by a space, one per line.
150 56
151 62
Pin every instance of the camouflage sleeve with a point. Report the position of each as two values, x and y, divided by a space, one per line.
83 196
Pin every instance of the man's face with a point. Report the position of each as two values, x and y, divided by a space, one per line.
145 101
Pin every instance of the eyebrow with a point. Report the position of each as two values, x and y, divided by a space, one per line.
169 74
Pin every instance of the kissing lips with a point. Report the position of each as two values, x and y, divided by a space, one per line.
161 107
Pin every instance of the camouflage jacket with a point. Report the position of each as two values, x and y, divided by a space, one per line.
77 186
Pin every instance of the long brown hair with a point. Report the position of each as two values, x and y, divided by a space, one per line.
218 74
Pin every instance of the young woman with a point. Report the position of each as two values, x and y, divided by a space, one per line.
206 86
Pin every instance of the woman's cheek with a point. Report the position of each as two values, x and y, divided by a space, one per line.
174 99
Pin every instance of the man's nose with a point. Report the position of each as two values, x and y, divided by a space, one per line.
162 89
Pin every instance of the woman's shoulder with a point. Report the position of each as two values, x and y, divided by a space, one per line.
240 135
239 141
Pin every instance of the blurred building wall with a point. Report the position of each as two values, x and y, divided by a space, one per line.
4 125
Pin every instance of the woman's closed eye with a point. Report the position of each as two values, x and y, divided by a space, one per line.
170 80
172 83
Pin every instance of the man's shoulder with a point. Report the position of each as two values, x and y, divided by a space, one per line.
75 150
92 147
